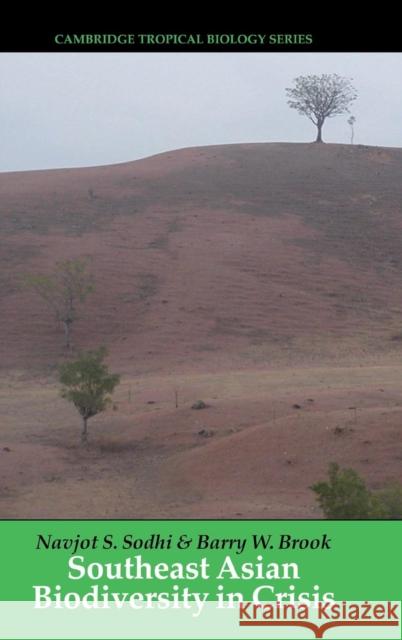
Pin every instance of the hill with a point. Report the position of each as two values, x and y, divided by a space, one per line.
219 271
250 251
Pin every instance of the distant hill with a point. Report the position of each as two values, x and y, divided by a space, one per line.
218 256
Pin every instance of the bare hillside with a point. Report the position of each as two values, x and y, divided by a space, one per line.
264 279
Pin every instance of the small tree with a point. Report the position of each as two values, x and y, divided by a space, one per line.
321 97
344 496
351 123
63 291
87 383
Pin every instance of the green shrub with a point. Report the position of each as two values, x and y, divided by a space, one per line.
345 496
390 502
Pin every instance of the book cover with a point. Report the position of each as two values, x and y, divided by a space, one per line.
201 333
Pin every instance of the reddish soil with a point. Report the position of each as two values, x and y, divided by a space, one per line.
253 277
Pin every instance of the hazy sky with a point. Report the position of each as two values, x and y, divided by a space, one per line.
80 109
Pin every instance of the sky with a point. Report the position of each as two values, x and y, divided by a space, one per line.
86 109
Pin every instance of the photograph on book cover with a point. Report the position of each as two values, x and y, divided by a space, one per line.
201 285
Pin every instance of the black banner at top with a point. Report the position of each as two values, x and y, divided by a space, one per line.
263 36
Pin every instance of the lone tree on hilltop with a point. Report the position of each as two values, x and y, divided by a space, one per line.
64 290
321 97
87 383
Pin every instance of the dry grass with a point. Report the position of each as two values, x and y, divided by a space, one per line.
149 460
253 277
